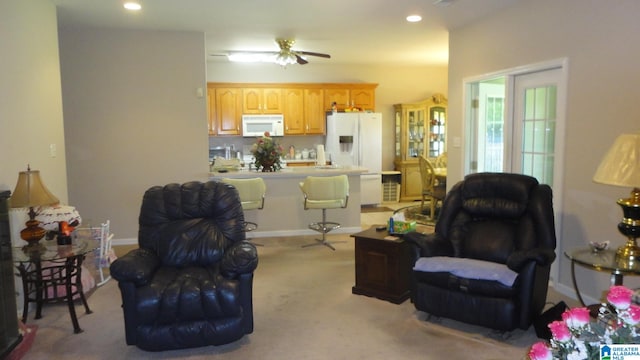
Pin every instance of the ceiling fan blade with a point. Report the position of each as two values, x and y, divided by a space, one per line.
327 56
300 60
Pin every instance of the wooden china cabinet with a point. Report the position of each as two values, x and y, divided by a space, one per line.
420 129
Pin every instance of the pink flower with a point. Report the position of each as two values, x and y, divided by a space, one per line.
540 351
560 331
576 318
632 315
620 297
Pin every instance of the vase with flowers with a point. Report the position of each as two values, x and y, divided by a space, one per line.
577 336
267 153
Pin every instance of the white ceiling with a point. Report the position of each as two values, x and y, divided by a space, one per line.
352 31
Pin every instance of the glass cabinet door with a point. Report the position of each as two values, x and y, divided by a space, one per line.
415 133
437 126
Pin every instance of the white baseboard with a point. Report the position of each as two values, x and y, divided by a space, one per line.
570 292
260 234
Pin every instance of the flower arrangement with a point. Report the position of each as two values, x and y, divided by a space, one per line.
267 153
577 337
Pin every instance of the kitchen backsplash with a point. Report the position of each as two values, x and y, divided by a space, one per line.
243 144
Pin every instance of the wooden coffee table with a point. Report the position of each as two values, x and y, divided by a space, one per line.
383 266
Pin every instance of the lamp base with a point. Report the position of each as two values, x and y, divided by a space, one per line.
630 227
629 252
32 233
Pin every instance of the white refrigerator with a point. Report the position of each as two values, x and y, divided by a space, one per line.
355 139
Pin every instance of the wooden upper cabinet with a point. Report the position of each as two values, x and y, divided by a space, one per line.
314 112
294 113
363 98
262 101
211 110
338 95
228 110
304 105
350 95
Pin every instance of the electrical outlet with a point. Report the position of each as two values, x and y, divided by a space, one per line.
53 151
457 142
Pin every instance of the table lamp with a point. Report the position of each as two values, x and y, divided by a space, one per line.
30 192
621 167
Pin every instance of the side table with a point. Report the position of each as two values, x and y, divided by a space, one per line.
46 270
383 268
605 261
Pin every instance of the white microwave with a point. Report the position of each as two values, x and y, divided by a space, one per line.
257 125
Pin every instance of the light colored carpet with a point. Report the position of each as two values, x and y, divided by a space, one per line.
304 309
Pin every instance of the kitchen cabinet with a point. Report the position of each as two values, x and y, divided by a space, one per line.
293 99
338 95
303 114
363 98
349 96
225 111
314 114
304 105
262 101
419 130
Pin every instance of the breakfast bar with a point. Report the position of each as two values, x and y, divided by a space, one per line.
283 213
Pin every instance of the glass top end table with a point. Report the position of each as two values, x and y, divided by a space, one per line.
602 260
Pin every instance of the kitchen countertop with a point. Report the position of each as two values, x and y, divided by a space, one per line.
292 172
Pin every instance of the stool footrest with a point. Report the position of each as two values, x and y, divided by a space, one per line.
250 226
324 227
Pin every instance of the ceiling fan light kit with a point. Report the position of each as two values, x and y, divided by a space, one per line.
284 57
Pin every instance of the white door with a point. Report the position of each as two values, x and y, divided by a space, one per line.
535 122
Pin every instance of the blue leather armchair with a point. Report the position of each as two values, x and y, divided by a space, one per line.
190 282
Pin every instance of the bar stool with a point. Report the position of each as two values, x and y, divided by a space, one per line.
252 193
328 192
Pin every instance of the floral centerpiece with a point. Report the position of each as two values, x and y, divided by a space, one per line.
267 153
577 337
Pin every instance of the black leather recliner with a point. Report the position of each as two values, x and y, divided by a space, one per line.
506 222
190 282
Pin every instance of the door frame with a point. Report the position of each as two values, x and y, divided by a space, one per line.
509 108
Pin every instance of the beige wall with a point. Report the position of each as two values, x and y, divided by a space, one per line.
599 40
30 101
396 84
132 118
30 95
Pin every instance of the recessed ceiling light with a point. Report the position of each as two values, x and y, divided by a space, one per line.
132 5
414 18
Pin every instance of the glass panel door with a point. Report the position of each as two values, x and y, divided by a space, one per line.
536 120
415 133
437 116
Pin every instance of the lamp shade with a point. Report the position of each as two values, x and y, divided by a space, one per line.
621 165
31 192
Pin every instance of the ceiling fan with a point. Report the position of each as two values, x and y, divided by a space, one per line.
284 57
